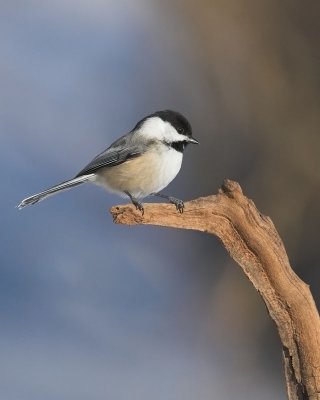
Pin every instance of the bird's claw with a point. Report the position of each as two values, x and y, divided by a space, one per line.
139 207
178 203
136 203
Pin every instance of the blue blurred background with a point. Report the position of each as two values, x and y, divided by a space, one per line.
93 310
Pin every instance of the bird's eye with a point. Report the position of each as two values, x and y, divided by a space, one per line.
181 130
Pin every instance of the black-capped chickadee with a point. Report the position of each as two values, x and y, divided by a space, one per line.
138 164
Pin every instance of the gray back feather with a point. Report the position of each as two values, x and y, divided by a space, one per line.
125 148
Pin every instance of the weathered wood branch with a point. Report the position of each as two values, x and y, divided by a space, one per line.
253 242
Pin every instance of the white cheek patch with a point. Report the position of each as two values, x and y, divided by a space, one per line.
156 128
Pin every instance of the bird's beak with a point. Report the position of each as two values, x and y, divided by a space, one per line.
192 140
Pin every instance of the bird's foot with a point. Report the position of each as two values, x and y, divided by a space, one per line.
136 203
173 200
178 203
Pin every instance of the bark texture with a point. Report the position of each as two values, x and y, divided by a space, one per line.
253 242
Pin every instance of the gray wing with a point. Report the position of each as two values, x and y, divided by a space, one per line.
123 149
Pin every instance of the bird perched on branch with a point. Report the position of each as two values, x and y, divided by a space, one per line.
138 164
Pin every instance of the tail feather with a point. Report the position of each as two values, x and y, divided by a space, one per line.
55 189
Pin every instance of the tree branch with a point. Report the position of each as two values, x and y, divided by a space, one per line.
253 242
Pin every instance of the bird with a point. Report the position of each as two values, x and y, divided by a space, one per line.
139 164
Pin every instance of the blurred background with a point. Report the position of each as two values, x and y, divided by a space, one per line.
91 310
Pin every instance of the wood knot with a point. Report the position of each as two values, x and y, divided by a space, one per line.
230 188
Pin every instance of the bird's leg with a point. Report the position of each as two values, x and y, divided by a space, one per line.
136 203
178 203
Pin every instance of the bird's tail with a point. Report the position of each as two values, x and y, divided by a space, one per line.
55 189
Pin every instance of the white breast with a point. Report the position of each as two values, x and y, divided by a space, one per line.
167 165
143 175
